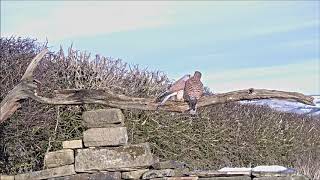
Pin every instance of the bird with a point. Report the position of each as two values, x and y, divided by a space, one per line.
176 89
193 91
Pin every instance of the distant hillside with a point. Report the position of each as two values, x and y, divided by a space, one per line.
293 107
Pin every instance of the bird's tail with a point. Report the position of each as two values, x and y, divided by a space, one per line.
192 105
162 96
193 112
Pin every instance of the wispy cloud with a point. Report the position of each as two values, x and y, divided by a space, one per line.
84 18
302 77
71 19
313 43
281 28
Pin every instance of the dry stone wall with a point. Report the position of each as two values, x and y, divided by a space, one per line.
104 154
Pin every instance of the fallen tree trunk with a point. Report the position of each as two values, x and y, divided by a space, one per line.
26 89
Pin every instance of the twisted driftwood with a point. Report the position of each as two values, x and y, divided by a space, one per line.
27 89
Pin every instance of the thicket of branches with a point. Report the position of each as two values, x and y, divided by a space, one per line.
24 137
222 135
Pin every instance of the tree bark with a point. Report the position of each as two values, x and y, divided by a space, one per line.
26 89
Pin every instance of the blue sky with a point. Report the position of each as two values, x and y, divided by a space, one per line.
235 44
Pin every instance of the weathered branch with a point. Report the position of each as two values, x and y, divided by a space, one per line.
12 101
106 97
28 74
26 89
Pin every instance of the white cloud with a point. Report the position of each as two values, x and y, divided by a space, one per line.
85 18
302 77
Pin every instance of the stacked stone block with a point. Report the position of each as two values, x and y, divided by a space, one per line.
104 154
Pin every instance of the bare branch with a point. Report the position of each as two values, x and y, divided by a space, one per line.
106 97
26 89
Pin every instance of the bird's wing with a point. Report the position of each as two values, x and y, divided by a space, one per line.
179 84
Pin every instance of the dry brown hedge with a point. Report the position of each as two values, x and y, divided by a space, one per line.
222 135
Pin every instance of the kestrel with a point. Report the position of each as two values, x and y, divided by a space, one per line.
176 89
193 91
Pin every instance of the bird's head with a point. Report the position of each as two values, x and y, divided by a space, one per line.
197 75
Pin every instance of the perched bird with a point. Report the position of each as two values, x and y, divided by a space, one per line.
193 91
176 89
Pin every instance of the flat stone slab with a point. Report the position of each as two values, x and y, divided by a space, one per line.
295 177
158 173
47 173
103 118
274 170
211 173
122 158
114 136
94 176
176 178
241 169
181 172
228 178
171 164
133 174
73 144
59 158
6 177
236 171
182 178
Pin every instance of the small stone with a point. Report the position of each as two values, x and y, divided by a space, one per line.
47 173
94 176
105 136
6 177
133 174
103 118
121 158
59 158
158 173
73 144
171 164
